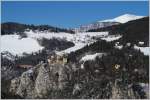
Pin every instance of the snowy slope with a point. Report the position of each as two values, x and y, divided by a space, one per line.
105 23
123 18
49 35
145 50
16 46
91 56
82 39
8 55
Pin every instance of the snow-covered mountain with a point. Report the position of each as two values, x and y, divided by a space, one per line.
123 18
17 46
108 22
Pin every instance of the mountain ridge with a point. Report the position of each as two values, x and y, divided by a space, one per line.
14 27
108 22
123 18
132 31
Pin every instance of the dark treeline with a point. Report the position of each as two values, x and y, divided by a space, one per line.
99 46
127 57
12 27
55 44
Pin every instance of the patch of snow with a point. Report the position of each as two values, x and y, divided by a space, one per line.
82 39
141 43
128 44
91 57
49 35
145 87
93 34
123 18
8 55
97 71
119 46
17 46
117 43
145 50
110 38
82 66
135 70
143 84
30 71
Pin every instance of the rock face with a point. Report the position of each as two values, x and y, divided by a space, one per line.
63 81
38 81
23 85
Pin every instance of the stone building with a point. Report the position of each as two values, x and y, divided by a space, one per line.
57 59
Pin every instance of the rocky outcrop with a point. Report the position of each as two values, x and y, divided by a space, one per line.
37 82
69 81
23 85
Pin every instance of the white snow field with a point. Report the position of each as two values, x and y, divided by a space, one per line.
70 37
145 50
123 18
16 46
82 39
48 35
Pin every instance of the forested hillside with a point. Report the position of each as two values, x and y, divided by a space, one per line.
12 27
132 31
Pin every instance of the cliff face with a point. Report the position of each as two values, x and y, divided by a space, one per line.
68 81
38 81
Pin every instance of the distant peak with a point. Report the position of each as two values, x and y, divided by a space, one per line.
128 15
123 18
